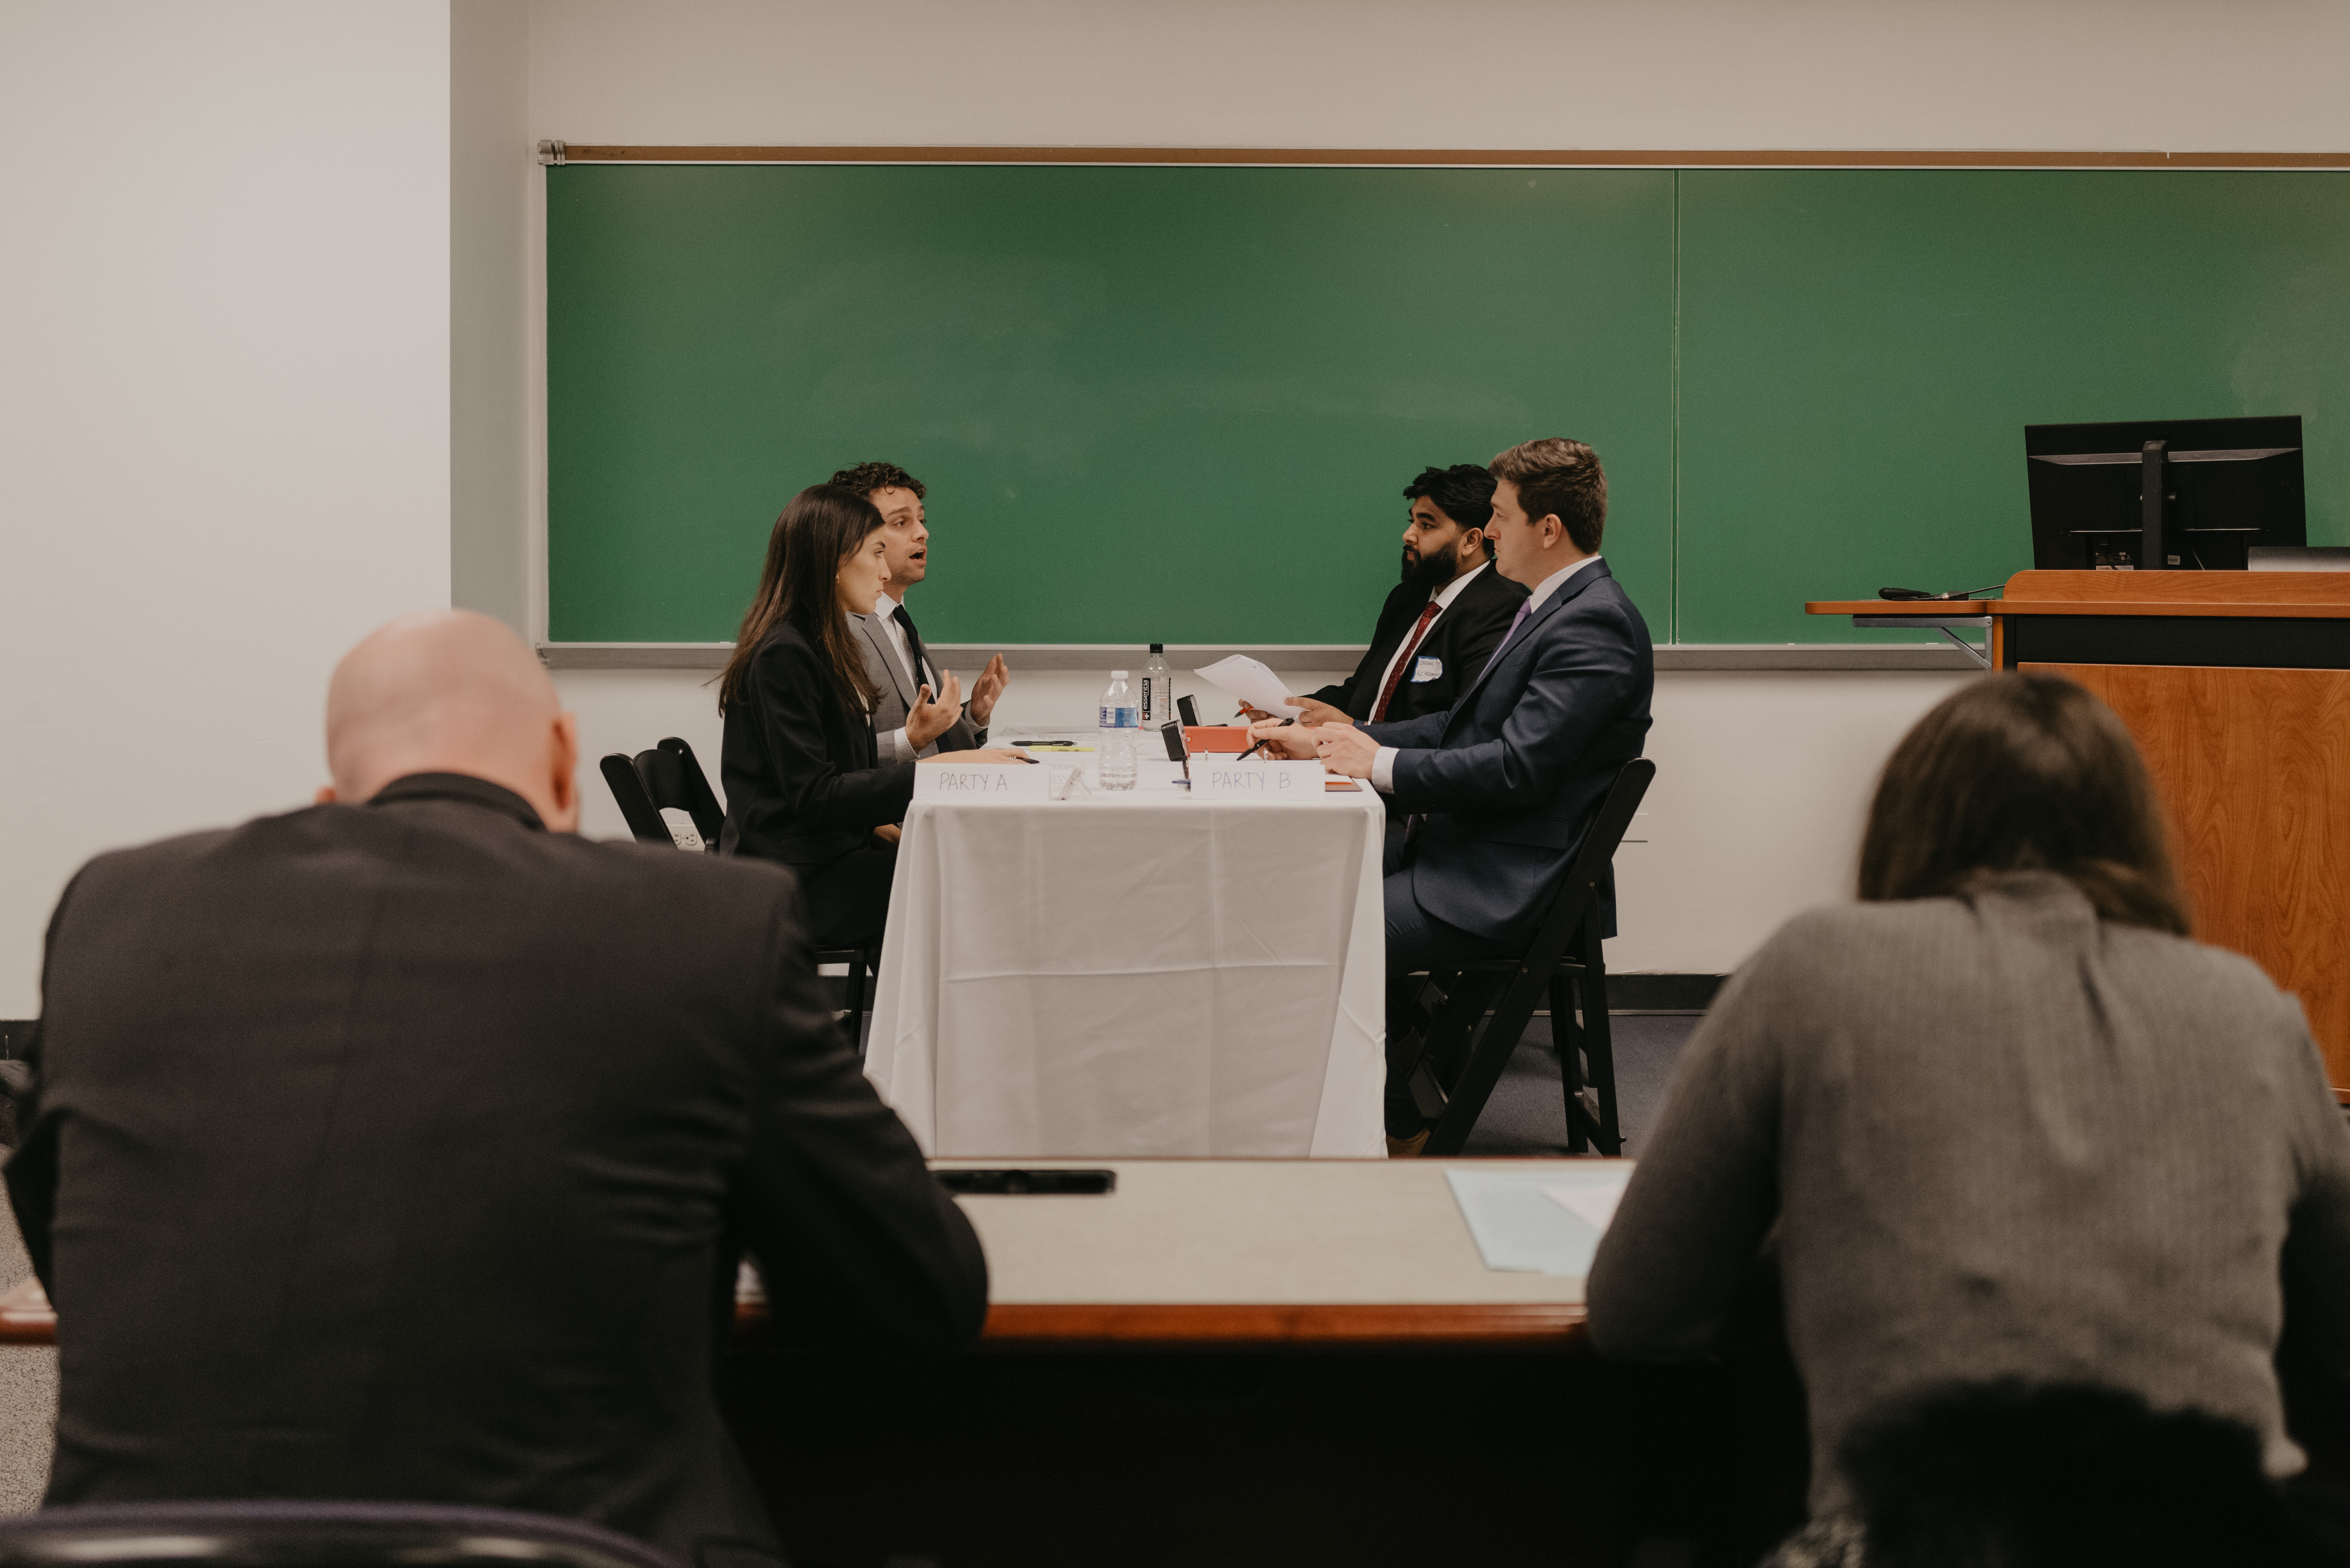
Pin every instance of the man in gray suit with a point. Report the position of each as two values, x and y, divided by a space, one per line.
894 655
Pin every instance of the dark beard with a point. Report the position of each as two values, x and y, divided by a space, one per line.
1429 573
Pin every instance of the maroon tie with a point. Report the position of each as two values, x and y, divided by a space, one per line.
1403 661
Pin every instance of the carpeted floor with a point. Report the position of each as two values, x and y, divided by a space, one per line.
28 1394
1526 1117
1527 1114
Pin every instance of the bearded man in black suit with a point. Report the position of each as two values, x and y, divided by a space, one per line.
1442 621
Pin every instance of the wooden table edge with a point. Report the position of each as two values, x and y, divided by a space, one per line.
1021 1326
26 1315
1500 1325
2271 610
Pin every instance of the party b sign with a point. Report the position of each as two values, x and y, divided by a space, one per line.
1256 781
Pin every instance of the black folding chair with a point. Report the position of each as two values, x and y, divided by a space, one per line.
1459 1066
270 1534
669 777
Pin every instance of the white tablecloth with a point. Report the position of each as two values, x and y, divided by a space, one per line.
1135 975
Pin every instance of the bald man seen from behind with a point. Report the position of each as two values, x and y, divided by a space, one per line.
401 1147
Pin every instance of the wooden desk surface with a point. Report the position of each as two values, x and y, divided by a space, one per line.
1258 1252
1232 1254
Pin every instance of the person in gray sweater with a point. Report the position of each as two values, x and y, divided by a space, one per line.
2001 1119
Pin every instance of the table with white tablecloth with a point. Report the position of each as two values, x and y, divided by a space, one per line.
1135 975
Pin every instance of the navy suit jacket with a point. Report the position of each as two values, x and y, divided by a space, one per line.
1511 776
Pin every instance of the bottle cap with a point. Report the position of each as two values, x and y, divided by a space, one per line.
1118 675
1158 647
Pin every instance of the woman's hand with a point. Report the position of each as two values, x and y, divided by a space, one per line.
889 833
929 720
991 754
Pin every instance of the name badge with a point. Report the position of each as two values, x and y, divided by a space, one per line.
982 781
1256 781
1426 669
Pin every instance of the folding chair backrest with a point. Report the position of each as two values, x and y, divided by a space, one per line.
1578 889
665 796
701 801
644 817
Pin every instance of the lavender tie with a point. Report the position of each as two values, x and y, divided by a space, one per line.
1515 621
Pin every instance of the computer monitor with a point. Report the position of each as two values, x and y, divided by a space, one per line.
2224 485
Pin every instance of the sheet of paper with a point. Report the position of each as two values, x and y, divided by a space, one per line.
1252 682
1539 1221
1594 1204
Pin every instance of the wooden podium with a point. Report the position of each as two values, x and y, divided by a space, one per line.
2237 685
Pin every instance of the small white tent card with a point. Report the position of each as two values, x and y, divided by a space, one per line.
1254 780
982 781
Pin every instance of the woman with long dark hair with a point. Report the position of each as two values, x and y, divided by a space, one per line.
804 781
2002 1118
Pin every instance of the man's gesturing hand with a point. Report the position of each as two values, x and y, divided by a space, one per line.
986 690
1345 750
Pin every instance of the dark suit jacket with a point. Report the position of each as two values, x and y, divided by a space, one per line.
400 1151
804 781
1461 640
1512 776
899 687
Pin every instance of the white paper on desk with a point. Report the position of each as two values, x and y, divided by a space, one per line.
1252 682
1539 1221
1592 1203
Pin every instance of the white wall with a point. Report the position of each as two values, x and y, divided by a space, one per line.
224 405
492 174
2091 74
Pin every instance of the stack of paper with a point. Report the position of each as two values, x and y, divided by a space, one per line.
1252 682
1540 1221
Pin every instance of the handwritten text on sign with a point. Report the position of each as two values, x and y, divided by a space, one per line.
1256 781
982 781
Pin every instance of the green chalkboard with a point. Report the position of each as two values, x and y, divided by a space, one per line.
1178 404
1861 350
1171 405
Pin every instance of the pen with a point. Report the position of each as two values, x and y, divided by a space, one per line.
1244 755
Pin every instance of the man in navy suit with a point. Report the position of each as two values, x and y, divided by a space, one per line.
1503 785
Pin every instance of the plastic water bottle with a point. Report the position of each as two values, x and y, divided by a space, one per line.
1117 738
1158 696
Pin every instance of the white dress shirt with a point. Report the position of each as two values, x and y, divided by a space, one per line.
894 746
1383 764
1444 597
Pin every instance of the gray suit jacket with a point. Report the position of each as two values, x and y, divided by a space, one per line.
897 690
1998 1137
